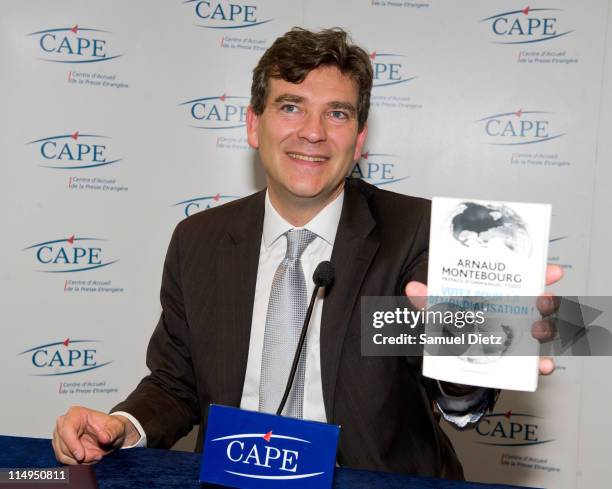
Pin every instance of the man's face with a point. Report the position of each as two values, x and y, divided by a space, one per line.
307 136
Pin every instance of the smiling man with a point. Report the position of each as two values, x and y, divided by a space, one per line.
236 282
308 123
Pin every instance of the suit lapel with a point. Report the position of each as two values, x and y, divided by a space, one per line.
238 259
354 249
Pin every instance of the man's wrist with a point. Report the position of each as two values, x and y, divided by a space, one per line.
131 435
133 432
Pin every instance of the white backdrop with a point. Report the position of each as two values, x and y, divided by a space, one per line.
121 118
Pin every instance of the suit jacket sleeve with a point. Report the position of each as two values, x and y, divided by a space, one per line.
165 402
415 268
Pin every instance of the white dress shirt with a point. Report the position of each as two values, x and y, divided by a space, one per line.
271 253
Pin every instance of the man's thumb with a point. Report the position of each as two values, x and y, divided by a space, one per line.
107 429
417 293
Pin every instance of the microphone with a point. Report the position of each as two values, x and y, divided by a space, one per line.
323 276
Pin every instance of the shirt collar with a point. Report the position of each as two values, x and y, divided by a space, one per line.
324 224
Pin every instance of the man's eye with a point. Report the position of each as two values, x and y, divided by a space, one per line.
289 108
338 114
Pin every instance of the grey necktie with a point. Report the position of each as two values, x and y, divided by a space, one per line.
286 313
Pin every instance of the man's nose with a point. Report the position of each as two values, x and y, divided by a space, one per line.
313 128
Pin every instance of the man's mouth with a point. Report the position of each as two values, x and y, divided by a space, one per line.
309 158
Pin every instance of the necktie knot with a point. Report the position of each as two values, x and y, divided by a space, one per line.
297 241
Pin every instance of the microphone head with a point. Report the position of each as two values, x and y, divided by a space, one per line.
324 274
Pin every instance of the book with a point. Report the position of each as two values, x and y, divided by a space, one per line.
497 252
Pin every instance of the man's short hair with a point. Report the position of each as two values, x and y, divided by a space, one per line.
299 51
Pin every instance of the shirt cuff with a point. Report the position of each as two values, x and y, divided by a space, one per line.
142 442
467 410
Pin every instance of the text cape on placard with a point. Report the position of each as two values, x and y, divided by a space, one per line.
253 450
489 249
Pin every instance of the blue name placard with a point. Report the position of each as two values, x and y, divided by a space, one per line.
247 449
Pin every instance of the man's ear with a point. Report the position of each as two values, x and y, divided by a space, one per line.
361 138
252 124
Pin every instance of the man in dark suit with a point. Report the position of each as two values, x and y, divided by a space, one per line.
383 406
307 119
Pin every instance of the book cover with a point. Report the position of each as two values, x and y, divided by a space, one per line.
494 250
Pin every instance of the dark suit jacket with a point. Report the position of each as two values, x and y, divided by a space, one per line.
198 352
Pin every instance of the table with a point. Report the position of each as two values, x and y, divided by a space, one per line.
150 468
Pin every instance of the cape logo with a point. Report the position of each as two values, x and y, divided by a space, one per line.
226 15
518 128
74 151
388 69
248 449
267 448
217 112
74 45
68 255
377 168
191 206
64 357
510 429
525 26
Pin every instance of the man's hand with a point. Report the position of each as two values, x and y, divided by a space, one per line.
547 304
84 436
